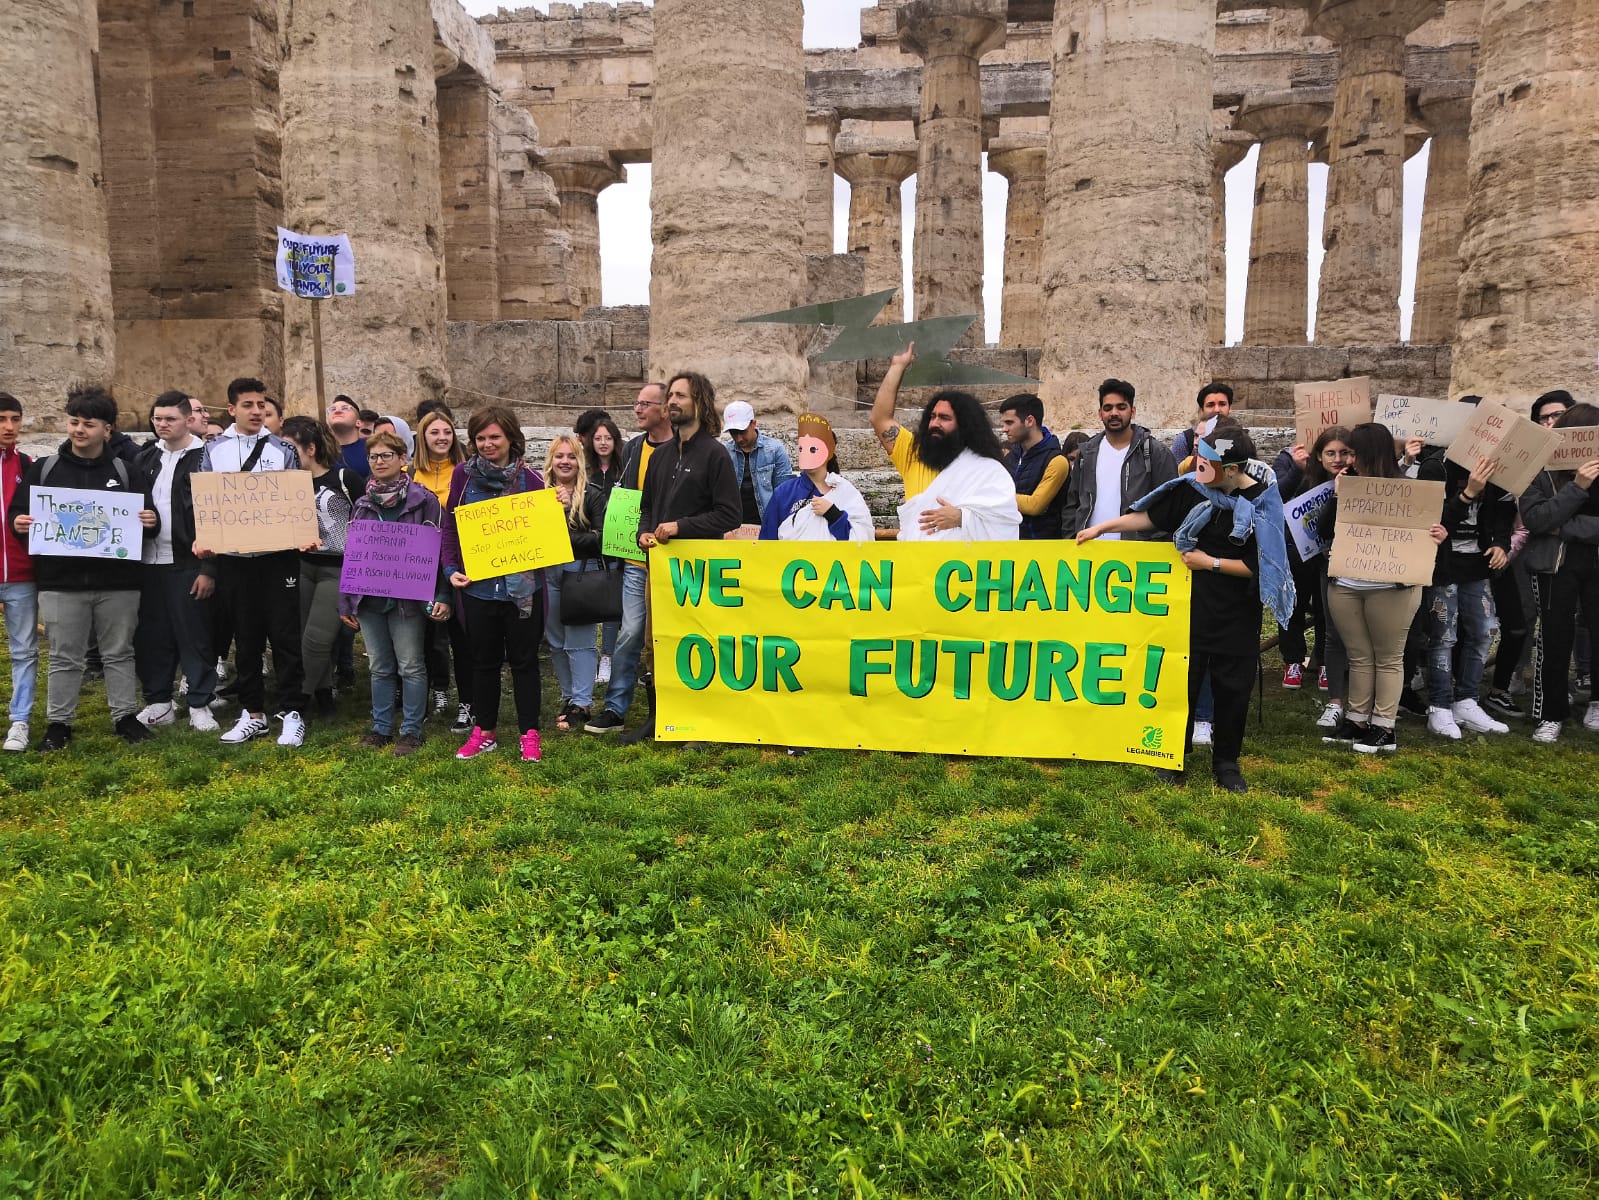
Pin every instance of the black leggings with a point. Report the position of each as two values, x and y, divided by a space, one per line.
446 642
1505 588
501 635
1559 596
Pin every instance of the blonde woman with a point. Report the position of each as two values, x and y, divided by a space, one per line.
438 452
574 649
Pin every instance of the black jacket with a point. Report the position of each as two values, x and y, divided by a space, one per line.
587 538
147 468
55 573
693 485
1490 520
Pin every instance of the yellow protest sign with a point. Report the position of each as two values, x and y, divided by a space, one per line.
521 531
1032 649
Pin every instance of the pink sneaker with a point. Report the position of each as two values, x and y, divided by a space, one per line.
530 746
1293 677
481 742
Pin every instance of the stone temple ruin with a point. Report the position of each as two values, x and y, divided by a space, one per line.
151 147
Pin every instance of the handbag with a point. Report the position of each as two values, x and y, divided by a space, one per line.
591 595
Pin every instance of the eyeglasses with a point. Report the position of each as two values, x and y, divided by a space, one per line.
382 456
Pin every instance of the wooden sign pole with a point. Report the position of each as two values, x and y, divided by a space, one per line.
316 359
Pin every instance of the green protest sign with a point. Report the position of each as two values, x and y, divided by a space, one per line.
620 539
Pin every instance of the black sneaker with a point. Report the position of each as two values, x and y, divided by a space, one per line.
324 704
131 730
1229 778
56 736
1412 703
1377 740
1347 733
1171 776
606 722
1502 702
463 720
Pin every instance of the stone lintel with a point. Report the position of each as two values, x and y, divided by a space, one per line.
932 28
1293 112
580 168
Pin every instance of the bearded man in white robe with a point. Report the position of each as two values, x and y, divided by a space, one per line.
972 498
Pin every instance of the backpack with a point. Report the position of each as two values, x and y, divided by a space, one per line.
46 465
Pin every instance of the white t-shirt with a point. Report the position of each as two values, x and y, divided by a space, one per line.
1108 486
159 550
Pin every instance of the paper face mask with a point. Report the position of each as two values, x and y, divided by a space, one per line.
812 453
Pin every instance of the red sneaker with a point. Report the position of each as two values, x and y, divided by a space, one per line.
1293 677
1322 682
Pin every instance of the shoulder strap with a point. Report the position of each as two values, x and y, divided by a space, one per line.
255 455
46 465
121 468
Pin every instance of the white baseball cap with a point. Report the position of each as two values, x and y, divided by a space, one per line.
739 415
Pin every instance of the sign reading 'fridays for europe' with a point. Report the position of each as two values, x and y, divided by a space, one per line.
990 648
519 531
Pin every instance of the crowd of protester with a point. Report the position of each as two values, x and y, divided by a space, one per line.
1515 577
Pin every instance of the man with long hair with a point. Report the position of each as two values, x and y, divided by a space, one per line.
971 495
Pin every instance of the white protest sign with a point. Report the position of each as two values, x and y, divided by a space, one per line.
1301 514
80 523
1577 444
315 267
1493 431
1435 422
1322 405
1383 530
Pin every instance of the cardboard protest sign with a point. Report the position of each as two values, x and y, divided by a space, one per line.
1435 422
1301 514
1382 531
85 523
1319 406
315 266
1521 447
520 531
238 512
620 537
993 648
389 558
1574 446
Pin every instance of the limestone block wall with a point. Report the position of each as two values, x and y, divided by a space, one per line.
1264 376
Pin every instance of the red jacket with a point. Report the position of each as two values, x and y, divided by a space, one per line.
15 565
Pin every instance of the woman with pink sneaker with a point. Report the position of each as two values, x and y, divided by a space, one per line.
505 615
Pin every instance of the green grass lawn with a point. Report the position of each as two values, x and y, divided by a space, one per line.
658 972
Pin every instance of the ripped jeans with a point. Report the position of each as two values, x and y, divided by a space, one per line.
1460 613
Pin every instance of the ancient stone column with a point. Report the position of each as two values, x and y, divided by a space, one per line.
535 251
820 130
1277 304
876 224
469 166
581 173
1529 300
1443 216
1020 159
1228 148
947 258
55 263
1127 218
1359 291
729 180
361 156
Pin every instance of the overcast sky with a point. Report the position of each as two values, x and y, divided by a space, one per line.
625 207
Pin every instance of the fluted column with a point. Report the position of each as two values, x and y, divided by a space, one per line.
1227 149
1277 303
1443 216
581 173
1359 292
729 182
820 130
55 259
1127 216
876 225
1021 159
1529 283
947 259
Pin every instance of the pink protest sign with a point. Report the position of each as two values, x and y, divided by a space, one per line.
386 558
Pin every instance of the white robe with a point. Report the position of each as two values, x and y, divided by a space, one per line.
804 525
984 492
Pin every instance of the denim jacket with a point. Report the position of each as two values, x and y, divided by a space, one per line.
772 467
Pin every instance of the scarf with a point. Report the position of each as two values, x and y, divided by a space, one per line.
984 492
1262 517
521 586
391 494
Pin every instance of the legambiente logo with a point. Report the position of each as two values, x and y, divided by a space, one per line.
1154 737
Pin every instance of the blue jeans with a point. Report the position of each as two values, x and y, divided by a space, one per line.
1464 613
21 604
574 650
394 650
630 643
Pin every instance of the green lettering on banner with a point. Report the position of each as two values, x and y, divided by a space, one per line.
696 678
904 659
941 592
879 584
722 584
835 592
1096 674
688 580
1056 661
861 667
1032 593
778 656
793 572
962 651
1113 600
993 591
619 539
1073 583
727 661
1148 592
1016 687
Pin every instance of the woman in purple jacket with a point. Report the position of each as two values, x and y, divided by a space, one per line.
395 630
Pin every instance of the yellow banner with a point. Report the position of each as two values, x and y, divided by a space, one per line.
509 534
1024 649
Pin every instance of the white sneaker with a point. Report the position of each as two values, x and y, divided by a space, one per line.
201 721
1331 714
158 714
248 729
1441 721
1590 719
1201 733
293 729
222 670
1546 732
17 739
603 675
1472 716
183 685
218 703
